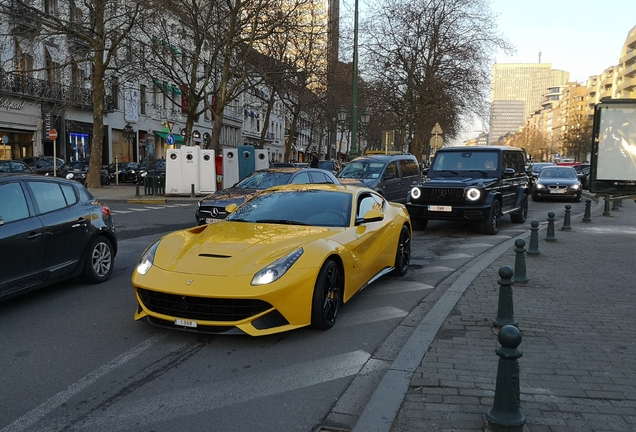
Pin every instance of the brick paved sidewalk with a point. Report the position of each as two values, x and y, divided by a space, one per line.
576 314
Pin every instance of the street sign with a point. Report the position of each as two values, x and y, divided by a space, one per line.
53 134
170 139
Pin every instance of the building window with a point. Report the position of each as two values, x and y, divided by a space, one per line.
142 97
50 7
115 92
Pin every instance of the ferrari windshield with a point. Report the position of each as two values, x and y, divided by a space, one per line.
264 180
297 207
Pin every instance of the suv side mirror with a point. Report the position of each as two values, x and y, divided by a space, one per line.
508 171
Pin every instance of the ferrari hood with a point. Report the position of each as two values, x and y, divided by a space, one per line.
233 248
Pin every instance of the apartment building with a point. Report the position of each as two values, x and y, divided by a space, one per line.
525 84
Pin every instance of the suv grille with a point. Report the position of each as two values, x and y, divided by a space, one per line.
447 195
201 308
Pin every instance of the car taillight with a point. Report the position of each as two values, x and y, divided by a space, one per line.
106 210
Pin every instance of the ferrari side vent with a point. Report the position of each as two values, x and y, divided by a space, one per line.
201 308
214 255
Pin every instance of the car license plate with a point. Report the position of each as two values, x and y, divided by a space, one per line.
185 323
440 208
558 191
211 220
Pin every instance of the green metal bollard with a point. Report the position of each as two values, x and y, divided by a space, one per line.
505 308
615 205
192 195
505 409
606 208
550 233
533 249
520 262
588 210
566 219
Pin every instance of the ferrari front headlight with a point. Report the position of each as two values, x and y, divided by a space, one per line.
148 258
277 269
473 194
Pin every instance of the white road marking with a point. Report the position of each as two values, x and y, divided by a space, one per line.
140 410
138 209
154 208
396 288
370 315
54 402
121 211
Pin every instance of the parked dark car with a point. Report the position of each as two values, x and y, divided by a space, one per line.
148 168
333 166
583 173
472 184
52 229
14 166
535 169
212 208
78 170
391 175
557 182
42 164
126 171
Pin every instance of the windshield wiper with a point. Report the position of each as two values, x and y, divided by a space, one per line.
281 221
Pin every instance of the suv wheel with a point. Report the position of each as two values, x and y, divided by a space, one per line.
521 215
490 225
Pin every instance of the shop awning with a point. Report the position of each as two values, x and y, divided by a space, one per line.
175 89
178 139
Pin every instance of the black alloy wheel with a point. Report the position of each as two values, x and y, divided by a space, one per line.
403 255
99 261
522 214
327 296
491 224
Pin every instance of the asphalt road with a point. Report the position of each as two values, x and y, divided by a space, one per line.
73 358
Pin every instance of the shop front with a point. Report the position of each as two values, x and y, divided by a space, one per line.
19 121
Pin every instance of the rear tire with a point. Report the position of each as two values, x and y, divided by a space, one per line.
99 261
327 296
491 224
403 255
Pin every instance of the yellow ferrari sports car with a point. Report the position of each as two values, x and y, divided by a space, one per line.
286 258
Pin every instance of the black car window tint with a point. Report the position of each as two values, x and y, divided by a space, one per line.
4 167
69 194
48 196
409 167
391 171
317 177
13 205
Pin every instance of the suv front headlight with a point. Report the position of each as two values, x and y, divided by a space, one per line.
416 192
473 194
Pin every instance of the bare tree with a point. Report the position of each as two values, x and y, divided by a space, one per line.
100 26
433 59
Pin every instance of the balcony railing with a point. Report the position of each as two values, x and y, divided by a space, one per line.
25 86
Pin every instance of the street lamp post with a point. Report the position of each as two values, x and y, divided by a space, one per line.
129 136
354 104
352 125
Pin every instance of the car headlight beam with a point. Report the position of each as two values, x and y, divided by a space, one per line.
277 269
147 259
473 194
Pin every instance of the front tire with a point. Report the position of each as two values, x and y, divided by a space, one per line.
327 296
491 224
522 214
99 261
403 255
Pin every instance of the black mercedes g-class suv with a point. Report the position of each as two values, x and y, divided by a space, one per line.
479 184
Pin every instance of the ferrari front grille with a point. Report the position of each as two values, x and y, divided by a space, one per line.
201 308
441 195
